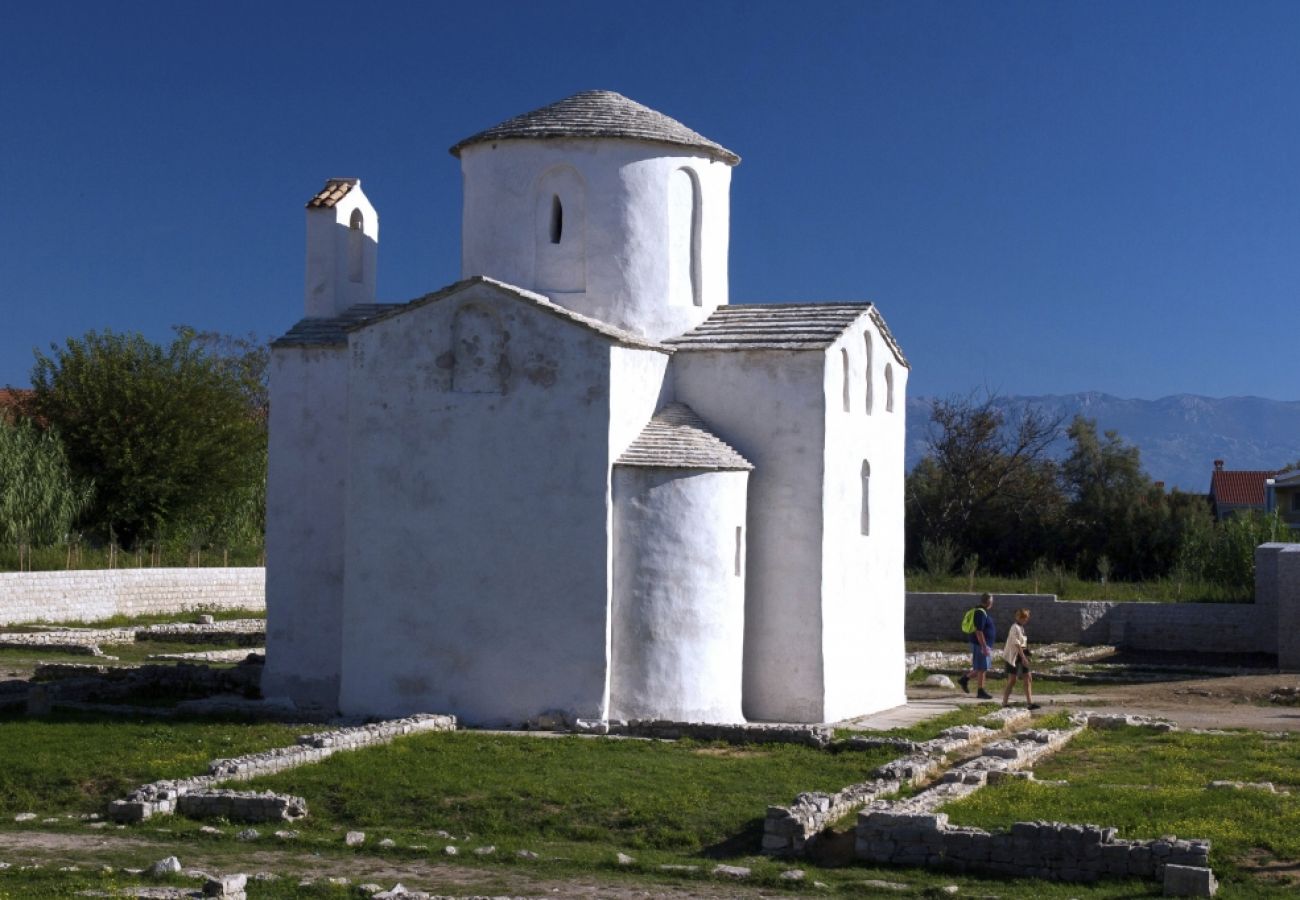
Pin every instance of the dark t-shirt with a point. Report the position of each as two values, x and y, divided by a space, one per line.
984 622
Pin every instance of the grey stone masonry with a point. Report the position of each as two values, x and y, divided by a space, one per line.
914 832
1050 850
241 806
1277 582
163 797
89 595
242 632
788 829
1237 627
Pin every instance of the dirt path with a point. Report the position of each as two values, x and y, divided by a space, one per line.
88 851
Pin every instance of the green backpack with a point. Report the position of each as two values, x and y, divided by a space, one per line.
968 620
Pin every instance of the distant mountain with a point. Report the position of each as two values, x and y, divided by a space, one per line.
1179 436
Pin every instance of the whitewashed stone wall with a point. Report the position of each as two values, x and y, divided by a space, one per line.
88 595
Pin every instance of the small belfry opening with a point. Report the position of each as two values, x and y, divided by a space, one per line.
557 219
356 246
889 387
740 549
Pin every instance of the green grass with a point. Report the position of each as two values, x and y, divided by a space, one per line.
55 558
1164 590
74 763
1149 784
513 790
122 621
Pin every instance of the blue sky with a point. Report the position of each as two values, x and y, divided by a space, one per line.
1041 197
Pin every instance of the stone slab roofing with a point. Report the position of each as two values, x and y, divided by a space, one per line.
335 190
677 438
786 326
598 114
326 332
323 332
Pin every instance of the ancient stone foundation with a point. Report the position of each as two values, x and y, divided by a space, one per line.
167 797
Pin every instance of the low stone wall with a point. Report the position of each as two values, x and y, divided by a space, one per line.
788 829
1029 850
242 806
165 797
88 595
1213 627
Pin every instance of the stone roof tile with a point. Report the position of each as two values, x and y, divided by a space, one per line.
319 332
598 114
677 438
786 326
335 190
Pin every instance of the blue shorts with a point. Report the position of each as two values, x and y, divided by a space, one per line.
979 660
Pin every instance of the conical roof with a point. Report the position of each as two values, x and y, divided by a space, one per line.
677 438
598 114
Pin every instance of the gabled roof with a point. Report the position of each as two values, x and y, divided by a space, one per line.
321 332
1240 488
324 332
786 326
335 190
676 438
1287 479
598 114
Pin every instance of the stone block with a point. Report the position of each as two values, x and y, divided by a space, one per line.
1189 881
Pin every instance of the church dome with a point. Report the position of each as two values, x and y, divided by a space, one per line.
599 114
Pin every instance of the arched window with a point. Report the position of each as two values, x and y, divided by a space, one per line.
561 253
557 219
684 219
866 337
478 344
356 246
844 364
889 387
866 497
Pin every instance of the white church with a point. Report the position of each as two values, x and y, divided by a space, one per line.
578 480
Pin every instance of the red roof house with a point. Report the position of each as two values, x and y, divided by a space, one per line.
1237 491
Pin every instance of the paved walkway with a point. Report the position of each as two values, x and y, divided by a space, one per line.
910 713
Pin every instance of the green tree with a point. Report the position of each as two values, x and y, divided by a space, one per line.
1117 513
986 485
39 495
165 433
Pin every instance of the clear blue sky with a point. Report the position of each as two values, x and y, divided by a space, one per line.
1041 197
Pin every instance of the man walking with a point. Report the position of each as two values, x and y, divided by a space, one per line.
981 648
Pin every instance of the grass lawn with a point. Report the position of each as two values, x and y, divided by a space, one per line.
1165 590
1149 784
529 792
76 763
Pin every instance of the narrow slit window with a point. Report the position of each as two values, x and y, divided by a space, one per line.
356 246
867 342
866 497
740 549
844 362
557 219
889 387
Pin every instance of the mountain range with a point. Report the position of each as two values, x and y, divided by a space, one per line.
1179 437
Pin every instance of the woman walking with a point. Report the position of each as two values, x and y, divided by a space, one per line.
1016 656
